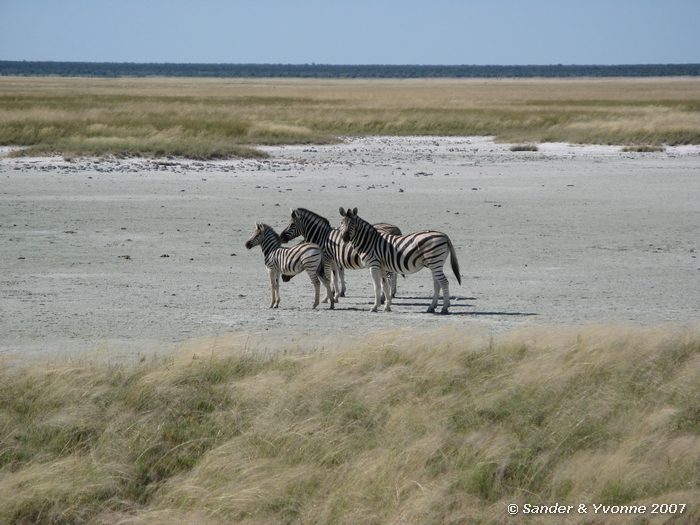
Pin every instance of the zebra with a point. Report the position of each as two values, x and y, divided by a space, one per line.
401 254
288 262
339 254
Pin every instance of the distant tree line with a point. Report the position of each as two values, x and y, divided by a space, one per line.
110 69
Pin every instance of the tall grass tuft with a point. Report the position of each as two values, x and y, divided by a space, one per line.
434 428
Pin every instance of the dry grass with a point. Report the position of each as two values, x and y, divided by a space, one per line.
228 117
643 148
435 428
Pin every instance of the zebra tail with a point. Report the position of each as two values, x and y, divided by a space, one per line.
454 262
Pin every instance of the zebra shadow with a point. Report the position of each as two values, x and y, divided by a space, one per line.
427 298
457 303
495 314
425 301
426 304
452 311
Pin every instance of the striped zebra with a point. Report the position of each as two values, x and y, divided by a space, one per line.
339 255
287 262
401 254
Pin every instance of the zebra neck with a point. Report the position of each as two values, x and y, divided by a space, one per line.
365 237
315 231
270 242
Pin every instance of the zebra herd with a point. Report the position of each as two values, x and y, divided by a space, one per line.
327 252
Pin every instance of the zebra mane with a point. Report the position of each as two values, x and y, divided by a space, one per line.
312 215
366 223
267 228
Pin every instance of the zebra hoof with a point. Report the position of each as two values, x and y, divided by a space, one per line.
387 308
374 309
430 310
444 311
342 294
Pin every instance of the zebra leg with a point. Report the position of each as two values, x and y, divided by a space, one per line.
277 290
334 281
445 293
271 274
440 281
329 270
436 293
391 277
338 275
377 280
326 279
341 274
387 292
317 285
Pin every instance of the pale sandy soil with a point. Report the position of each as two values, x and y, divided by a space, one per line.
568 235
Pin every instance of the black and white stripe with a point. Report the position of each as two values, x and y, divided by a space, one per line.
287 262
401 254
339 254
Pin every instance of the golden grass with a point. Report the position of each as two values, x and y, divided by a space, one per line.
437 428
229 117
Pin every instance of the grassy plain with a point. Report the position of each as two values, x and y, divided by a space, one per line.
210 118
439 428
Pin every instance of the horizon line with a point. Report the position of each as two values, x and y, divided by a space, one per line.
320 64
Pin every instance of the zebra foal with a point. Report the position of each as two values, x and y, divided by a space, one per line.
400 254
339 255
287 262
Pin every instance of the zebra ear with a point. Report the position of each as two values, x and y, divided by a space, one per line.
342 211
258 226
294 213
354 211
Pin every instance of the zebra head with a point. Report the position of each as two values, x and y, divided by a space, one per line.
348 225
292 229
257 236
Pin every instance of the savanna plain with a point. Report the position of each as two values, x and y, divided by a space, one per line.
144 380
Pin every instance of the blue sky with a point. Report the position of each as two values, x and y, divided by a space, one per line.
353 32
